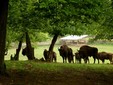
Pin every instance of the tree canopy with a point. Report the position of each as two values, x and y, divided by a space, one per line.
71 16
61 16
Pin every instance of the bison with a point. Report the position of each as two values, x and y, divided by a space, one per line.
66 53
104 55
29 53
49 57
45 54
86 51
24 51
78 58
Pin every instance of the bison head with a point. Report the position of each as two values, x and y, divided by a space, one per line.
24 52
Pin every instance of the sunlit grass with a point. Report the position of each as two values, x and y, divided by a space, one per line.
39 51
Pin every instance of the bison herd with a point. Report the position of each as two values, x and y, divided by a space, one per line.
87 51
84 52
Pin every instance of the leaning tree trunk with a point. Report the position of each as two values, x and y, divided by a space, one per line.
16 57
52 46
30 49
3 23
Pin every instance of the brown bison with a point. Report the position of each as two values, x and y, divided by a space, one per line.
104 55
24 51
86 51
29 53
66 53
78 58
50 57
45 54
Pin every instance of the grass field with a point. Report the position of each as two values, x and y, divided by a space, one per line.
26 72
38 73
39 51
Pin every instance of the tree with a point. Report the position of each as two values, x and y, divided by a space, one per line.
62 17
103 29
3 23
19 21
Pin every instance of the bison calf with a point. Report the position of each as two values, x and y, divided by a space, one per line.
78 58
49 56
104 55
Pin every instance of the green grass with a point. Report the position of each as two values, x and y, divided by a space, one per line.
42 73
39 51
34 72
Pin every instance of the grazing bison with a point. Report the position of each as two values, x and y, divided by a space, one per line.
104 55
50 57
66 53
86 51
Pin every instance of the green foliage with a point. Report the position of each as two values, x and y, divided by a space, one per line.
61 17
19 20
71 16
19 17
104 30
39 36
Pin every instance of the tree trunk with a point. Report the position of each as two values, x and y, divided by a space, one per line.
52 46
3 23
16 57
29 48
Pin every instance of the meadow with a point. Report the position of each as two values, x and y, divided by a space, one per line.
38 51
24 72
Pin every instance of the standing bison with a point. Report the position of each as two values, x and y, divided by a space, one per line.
29 55
24 51
45 54
86 51
50 57
104 55
66 53
78 58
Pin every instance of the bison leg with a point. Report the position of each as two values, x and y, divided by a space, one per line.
98 61
69 59
88 60
110 61
103 61
55 59
94 59
73 61
80 61
63 59
85 60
